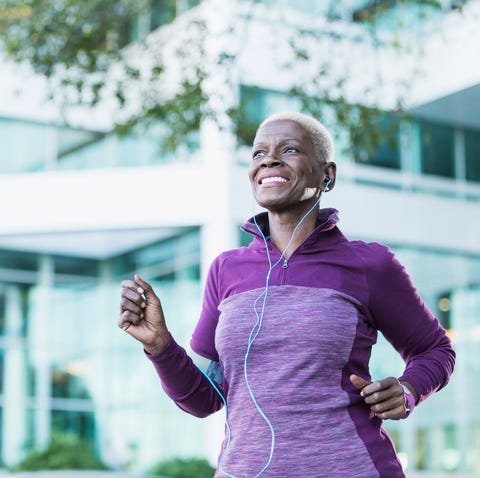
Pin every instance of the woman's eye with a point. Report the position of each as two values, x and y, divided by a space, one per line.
258 154
291 150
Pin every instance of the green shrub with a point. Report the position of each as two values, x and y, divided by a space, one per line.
184 468
65 452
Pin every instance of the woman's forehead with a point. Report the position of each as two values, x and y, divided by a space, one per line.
281 129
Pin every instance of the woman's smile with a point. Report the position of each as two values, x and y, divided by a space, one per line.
269 181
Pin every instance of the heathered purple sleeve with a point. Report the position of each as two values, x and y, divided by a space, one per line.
184 383
408 324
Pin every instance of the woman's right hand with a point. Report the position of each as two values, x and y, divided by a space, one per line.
141 315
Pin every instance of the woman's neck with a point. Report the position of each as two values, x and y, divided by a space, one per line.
282 227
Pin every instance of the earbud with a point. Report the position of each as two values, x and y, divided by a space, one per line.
327 183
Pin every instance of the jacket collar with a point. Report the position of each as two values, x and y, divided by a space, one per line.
327 220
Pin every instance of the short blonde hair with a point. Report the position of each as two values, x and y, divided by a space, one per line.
319 135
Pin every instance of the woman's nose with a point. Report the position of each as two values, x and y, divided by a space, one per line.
270 160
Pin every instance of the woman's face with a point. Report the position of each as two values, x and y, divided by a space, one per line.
284 171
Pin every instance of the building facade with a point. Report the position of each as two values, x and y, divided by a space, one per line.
84 209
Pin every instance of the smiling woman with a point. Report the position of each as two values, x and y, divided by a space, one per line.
288 324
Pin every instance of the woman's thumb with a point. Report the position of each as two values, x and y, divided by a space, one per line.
145 287
359 382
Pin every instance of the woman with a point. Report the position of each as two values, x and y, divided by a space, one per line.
288 324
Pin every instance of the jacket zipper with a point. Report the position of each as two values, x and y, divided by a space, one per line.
283 272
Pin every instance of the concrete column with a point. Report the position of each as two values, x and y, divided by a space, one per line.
100 362
464 314
219 232
14 425
408 443
41 331
435 447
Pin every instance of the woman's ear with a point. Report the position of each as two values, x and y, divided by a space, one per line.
330 175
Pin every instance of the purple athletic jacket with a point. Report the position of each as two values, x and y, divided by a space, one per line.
292 410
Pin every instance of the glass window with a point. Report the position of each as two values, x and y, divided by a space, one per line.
80 424
76 266
23 146
250 113
72 139
448 283
472 155
311 7
128 31
45 143
255 105
81 361
443 308
390 15
162 12
178 256
126 151
2 310
92 155
26 261
380 147
437 149
67 385
66 148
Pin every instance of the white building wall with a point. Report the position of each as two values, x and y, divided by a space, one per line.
181 195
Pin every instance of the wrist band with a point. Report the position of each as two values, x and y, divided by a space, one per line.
409 401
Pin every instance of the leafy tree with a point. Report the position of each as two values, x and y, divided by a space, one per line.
65 452
85 49
184 468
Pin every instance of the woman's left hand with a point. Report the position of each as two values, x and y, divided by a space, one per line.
386 398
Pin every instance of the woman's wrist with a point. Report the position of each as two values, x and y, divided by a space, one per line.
157 346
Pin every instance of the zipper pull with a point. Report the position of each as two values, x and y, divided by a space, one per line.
285 264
